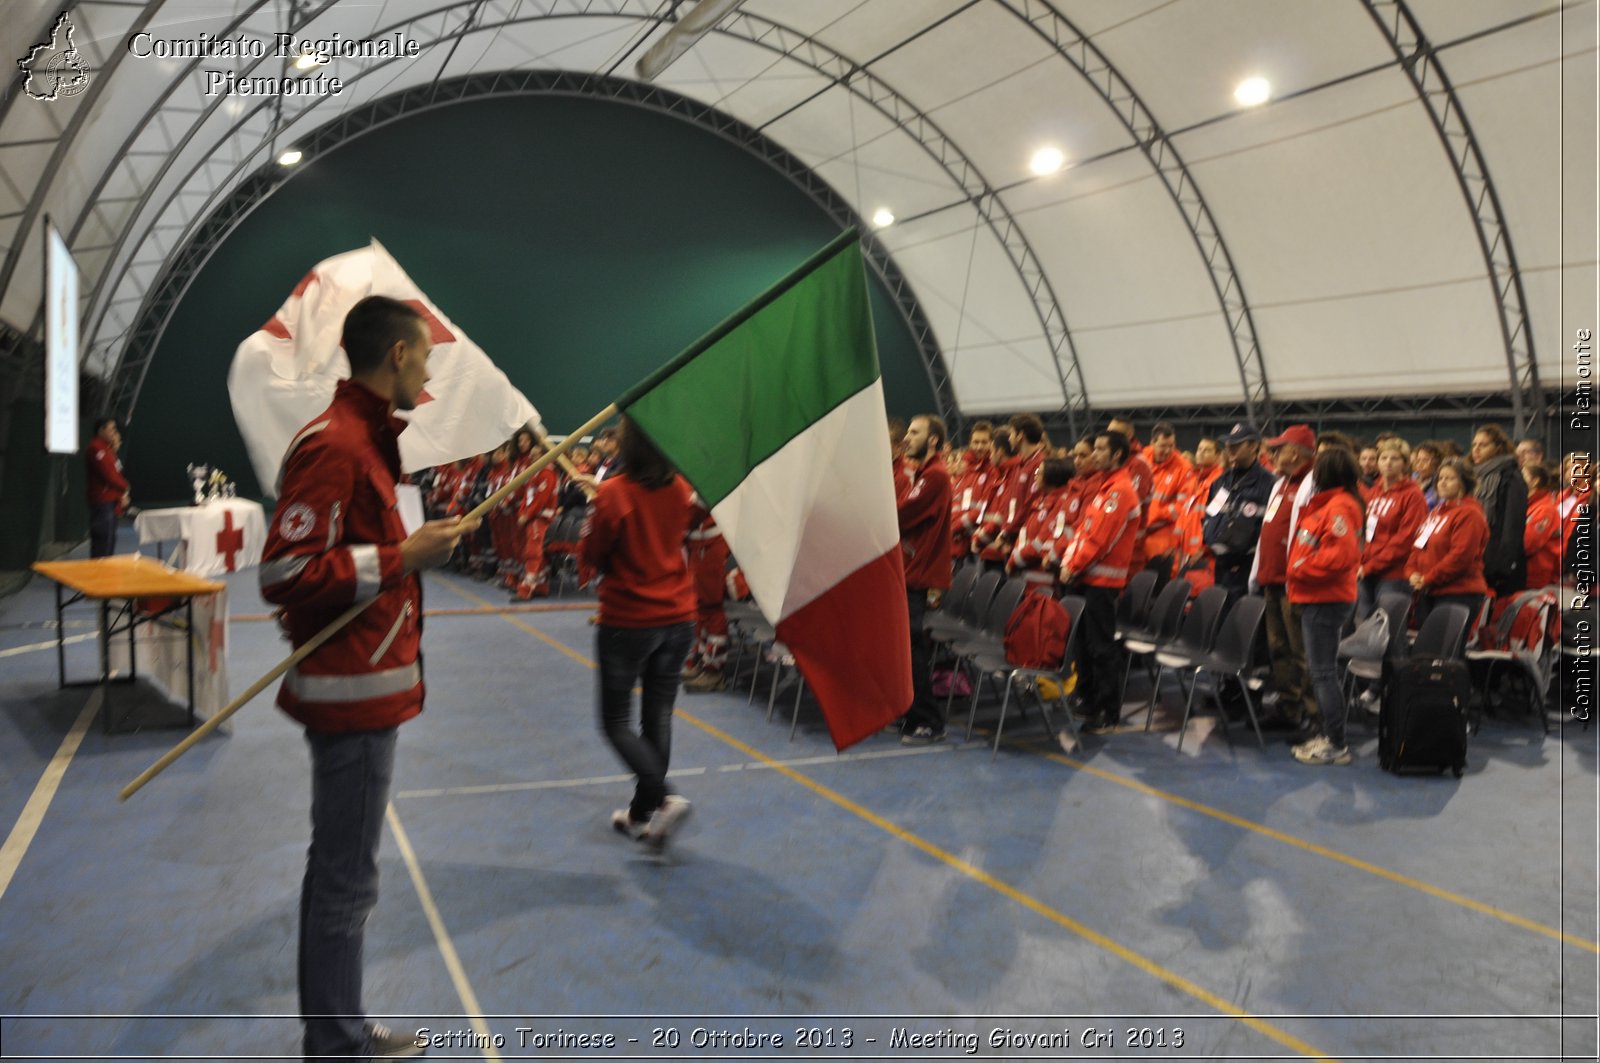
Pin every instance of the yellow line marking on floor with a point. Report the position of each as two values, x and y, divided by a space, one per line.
452 961
27 825
1005 889
1257 828
1330 854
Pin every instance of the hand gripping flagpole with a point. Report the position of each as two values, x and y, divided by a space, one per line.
556 452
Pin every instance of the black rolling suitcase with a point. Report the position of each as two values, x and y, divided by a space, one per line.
1423 724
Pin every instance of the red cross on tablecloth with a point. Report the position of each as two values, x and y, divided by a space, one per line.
230 540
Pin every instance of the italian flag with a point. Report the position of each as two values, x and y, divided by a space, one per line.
777 419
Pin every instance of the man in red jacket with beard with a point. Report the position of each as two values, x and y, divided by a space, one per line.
107 488
923 505
1098 561
337 539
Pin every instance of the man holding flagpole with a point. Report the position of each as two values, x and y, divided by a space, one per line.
336 540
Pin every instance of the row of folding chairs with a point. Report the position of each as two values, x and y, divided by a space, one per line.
970 629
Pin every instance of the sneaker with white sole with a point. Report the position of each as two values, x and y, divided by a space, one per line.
392 1044
622 822
922 736
1311 745
667 819
1324 753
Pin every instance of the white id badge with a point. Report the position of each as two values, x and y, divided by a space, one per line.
1372 525
966 500
1272 506
1218 502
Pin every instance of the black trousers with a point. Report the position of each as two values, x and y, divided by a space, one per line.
102 529
924 711
1100 660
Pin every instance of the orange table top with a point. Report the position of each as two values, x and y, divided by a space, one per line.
125 576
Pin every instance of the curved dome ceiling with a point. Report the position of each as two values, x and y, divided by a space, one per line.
1382 227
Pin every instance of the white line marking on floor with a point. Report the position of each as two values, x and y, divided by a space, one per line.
609 780
36 646
447 949
27 824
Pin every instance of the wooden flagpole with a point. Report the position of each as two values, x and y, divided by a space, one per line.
550 455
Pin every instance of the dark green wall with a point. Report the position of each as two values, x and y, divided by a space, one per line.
581 243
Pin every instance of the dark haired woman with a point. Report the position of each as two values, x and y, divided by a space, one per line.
1542 536
1324 554
635 538
1505 509
1446 563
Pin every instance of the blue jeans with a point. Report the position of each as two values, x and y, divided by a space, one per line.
1322 625
1370 588
652 657
350 777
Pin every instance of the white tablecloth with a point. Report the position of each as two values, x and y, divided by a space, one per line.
222 536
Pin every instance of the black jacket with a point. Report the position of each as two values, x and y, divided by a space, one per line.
1233 531
1504 496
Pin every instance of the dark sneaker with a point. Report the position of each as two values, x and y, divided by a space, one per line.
392 1044
667 819
922 736
1101 725
622 822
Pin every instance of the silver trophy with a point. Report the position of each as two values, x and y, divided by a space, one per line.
198 475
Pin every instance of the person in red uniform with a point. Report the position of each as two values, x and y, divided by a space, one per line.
1577 495
634 537
1097 562
107 488
1140 475
1446 563
1323 556
1027 431
336 539
1542 538
1047 529
1297 702
708 559
1396 508
1002 504
536 508
971 489
923 508
1171 487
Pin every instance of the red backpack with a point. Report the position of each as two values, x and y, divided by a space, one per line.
1036 633
1521 623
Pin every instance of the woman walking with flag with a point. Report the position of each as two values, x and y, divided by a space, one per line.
635 539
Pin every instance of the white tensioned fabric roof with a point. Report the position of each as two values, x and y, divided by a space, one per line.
1190 251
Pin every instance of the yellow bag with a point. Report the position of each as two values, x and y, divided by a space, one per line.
1050 690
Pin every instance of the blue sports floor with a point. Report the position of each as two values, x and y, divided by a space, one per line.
890 903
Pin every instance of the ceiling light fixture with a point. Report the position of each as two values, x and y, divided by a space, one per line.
1253 91
290 157
882 218
1047 161
310 61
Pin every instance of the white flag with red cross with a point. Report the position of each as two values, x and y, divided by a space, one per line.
284 373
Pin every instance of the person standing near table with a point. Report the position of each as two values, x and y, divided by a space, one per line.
336 540
108 489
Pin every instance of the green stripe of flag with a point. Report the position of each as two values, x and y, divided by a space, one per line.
765 375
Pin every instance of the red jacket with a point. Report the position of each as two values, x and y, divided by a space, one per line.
1542 541
1326 549
334 541
635 537
105 480
1393 516
1027 491
1449 549
708 561
967 497
924 512
1102 551
1007 490
1272 552
538 497
1045 534
1170 486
